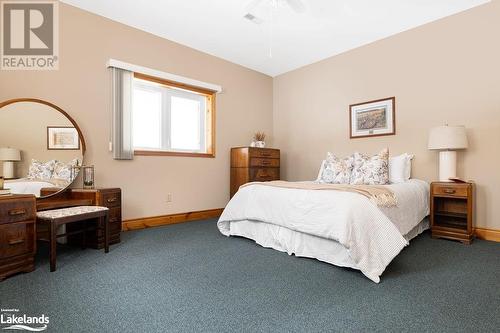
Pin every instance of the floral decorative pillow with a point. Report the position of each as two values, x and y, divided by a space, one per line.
336 170
371 170
62 170
40 170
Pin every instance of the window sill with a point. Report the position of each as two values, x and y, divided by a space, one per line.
172 153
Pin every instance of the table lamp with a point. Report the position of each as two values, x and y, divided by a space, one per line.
448 139
9 156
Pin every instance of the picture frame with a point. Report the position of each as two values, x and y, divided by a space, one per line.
373 118
62 138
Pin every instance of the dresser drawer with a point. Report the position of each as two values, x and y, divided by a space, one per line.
264 153
115 215
265 162
264 174
452 190
111 199
17 210
16 239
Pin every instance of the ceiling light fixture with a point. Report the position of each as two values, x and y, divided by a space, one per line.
295 5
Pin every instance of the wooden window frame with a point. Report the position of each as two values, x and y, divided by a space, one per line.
210 119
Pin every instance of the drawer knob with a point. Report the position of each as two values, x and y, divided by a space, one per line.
17 212
449 190
111 200
265 154
16 241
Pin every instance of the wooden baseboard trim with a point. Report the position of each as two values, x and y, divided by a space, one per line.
156 221
488 234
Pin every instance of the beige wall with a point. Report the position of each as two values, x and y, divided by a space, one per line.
444 72
81 86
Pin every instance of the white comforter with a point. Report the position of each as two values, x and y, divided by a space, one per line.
365 230
26 186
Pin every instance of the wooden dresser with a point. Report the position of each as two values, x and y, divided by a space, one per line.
452 211
106 197
249 164
17 234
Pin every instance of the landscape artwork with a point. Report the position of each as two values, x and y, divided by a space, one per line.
372 118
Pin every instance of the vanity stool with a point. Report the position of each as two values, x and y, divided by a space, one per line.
57 217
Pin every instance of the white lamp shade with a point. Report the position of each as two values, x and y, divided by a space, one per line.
10 154
448 137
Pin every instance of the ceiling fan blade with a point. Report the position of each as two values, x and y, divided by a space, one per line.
252 5
296 5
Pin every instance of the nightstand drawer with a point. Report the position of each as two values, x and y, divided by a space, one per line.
264 174
18 210
265 162
452 190
16 239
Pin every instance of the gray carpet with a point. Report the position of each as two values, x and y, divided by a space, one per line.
190 278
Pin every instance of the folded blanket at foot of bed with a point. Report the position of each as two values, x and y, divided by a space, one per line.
378 194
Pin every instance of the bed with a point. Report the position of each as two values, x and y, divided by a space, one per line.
341 228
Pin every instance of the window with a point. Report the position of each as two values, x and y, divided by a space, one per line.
171 119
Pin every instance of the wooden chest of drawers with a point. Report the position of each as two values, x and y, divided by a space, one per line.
249 164
17 234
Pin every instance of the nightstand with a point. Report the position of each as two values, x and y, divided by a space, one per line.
452 211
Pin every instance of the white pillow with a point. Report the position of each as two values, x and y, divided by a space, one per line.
400 168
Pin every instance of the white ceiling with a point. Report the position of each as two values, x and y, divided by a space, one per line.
326 28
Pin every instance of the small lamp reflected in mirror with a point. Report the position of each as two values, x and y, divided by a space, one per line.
9 156
88 177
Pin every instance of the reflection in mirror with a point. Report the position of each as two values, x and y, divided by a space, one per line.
39 148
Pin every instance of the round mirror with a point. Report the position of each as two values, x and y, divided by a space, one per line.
41 148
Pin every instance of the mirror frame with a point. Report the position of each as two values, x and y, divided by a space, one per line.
73 122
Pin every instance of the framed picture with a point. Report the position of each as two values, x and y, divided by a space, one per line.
62 138
373 118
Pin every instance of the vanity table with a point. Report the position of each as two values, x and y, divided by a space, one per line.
52 150
104 197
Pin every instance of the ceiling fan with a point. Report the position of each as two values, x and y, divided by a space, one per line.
295 5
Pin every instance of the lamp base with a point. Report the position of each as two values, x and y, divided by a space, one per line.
8 170
447 165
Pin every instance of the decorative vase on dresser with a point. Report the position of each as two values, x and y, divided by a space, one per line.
250 164
17 234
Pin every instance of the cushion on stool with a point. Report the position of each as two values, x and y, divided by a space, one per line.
71 211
